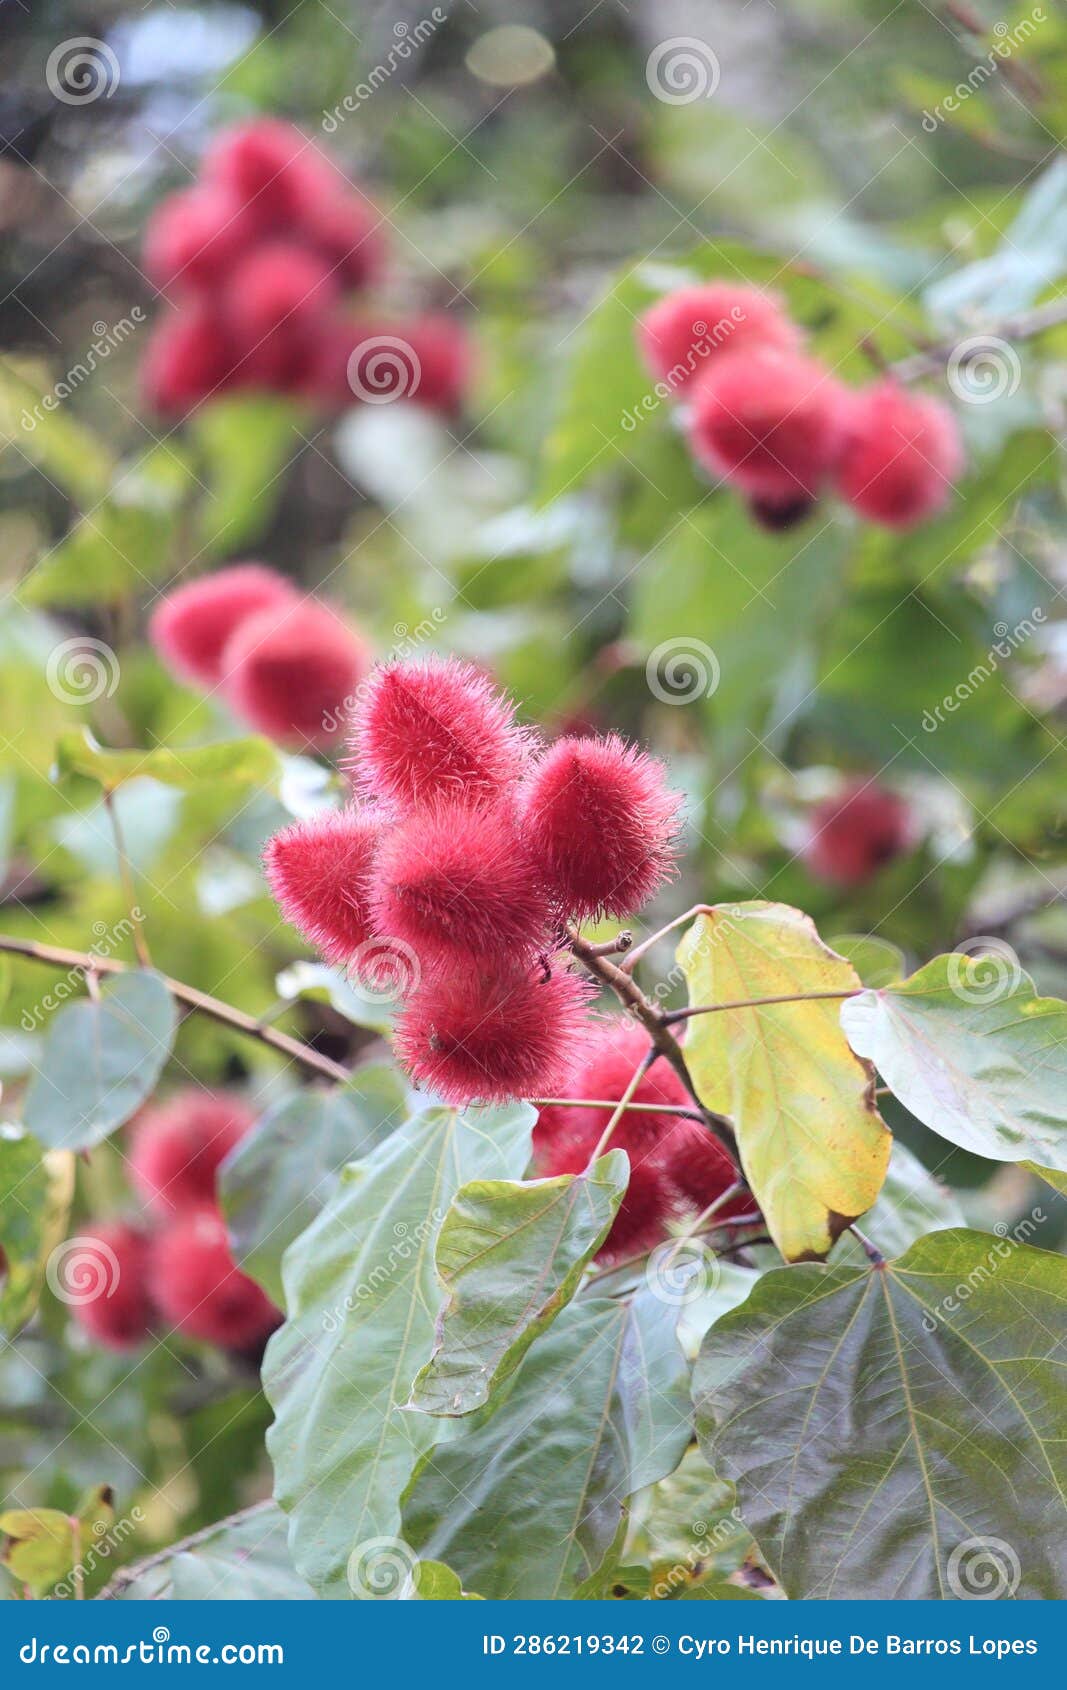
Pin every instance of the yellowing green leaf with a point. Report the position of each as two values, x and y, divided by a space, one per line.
813 1146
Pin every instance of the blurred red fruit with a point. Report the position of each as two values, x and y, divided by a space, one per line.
855 833
437 728
194 238
177 1147
188 359
321 873
348 231
601 822
489 1038
273 299
190 627
292 672
104 1279
699 1167
198 1287
425 359
770 421
902 454
455 881
271 167
683 333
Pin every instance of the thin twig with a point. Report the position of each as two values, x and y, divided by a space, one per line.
617 1113
90 966
1027 323
705 1216
140 943
606 1103
873 1254
756 1003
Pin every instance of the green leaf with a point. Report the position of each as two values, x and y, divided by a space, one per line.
968 1046
531 1501
511 1255
362 1295
238 762
886 1427
284 1172
876 961
604 384
71 456
101 1060
717 1590
24 1203
245 444
687 1527
813 1146
44 1545
435 1582
244 1559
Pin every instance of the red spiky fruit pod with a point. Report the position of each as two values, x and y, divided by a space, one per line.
700 1168
102 1276
272 168
428 360
198 1287
436 728
188 360
902 454
349 233
293 672
178 1146
190 627
194 238
487 1038
455 880
684 332
272 302
321 872
855 833
772 422
601 821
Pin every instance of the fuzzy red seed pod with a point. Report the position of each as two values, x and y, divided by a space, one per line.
437 728
773 422
601 821
271 167
272 303
178 1146
195 237
492 1037
349 233
102 1276
699 1167
855 833
321 872
681 334
293 671
455 881
901 457
190 627
199 1288
188 360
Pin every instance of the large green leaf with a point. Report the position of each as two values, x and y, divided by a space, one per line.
510 1255
531 1501
237 762
101 1060
284 1172
813 1146
24 1189
968 1046
887 1427
362 1294
243 1559
245 445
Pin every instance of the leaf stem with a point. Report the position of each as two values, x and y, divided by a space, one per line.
639 1073
674 1015
91 966
140 943
872 1252
606 1103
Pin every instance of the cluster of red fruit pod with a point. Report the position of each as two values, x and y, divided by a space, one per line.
179 1271
286 664
260 259
776 424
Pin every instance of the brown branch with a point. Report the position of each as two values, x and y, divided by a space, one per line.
90 965
1027 323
